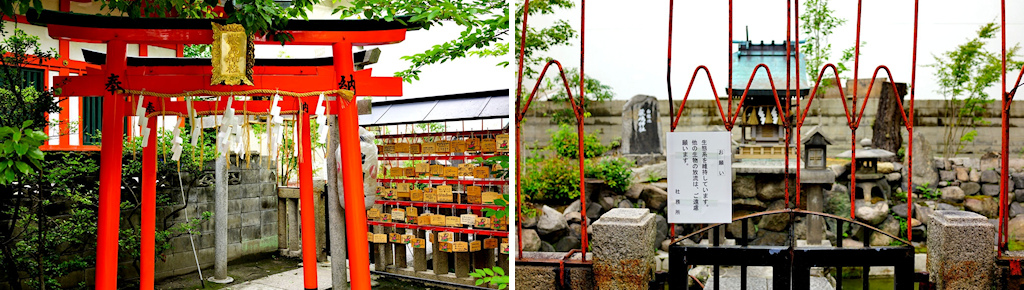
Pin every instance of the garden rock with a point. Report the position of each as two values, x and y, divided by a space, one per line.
551 222
609 201
990 176
1018 180
946 206
655 198
774 222
974 175
891 226
990 160
770 238
970 188
952 194
635 190
923 168
923 213
893 177
1016 209
594 211
984 205
573 217
886 167
1019 195
736 228
748 203
572 207
961 173
625 204
990 189
531 241
947 175
901 210
657 171
528 221
661 229
546 247
744 186
1016 229
771 190
575 230
871 214
837 200
567 243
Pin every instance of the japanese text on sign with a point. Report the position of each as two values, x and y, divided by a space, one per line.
699 177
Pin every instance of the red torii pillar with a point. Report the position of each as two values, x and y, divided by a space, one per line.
110 176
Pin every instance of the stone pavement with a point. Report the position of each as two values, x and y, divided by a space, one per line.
289 280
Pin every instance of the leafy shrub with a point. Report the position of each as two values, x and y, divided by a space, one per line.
550 179
615 172
564 143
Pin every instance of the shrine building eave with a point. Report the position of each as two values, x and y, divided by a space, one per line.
98 28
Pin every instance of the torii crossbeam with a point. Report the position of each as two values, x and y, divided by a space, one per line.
174 77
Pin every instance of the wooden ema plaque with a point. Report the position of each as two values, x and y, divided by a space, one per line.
473 195
473 144
488 145
369 237
411 211
482 172
490 243
468 219
373 213
380 149
407 239
402 148
411 172
502 141
437 220
446 237
445 247
394 238
444 193
459 146
380 190
436 170
422 168
474 246
380 238
452 221
402 195
429 195
389 193
412 219
482 223
389 148
504 248
424 220
416 195
451 171
443 147
466 169
418 243
385 217
489 197
398 214
429 148
417 148
461 247
394 172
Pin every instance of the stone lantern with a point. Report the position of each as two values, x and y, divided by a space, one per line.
815 151
867 169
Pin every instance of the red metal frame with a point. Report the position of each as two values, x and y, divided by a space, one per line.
170 80
489 182
440 229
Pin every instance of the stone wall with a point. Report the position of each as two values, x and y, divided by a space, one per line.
703 115
252 217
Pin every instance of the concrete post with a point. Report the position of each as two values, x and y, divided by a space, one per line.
319 203
419 255
440 258
220 225
961 250
622 248
335 213
293 228
400 257
380 263
282 226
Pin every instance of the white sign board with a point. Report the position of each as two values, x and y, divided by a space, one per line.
699 177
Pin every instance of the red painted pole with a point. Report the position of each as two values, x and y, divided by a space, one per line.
306 203
352 177
110 176
147 256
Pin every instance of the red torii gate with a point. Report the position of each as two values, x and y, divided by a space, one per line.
303 82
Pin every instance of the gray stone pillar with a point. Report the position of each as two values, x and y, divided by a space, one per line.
621 243
282 226
293 227
440 258
961 250
419 255
220 224
320 206
400 259
335 213
380 263
815 203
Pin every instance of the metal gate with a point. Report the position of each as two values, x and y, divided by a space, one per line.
791 264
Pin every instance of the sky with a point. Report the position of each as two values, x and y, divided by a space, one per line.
626 44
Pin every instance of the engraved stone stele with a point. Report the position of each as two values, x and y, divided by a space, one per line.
641 131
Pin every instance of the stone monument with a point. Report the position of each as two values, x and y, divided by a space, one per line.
961 250
641 131
621 244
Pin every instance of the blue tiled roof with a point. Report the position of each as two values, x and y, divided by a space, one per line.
774 56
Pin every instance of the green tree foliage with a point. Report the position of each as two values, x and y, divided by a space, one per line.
484 23
565 142
19 152
963 75
540 40
19 100
616 172
552 179
818 21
